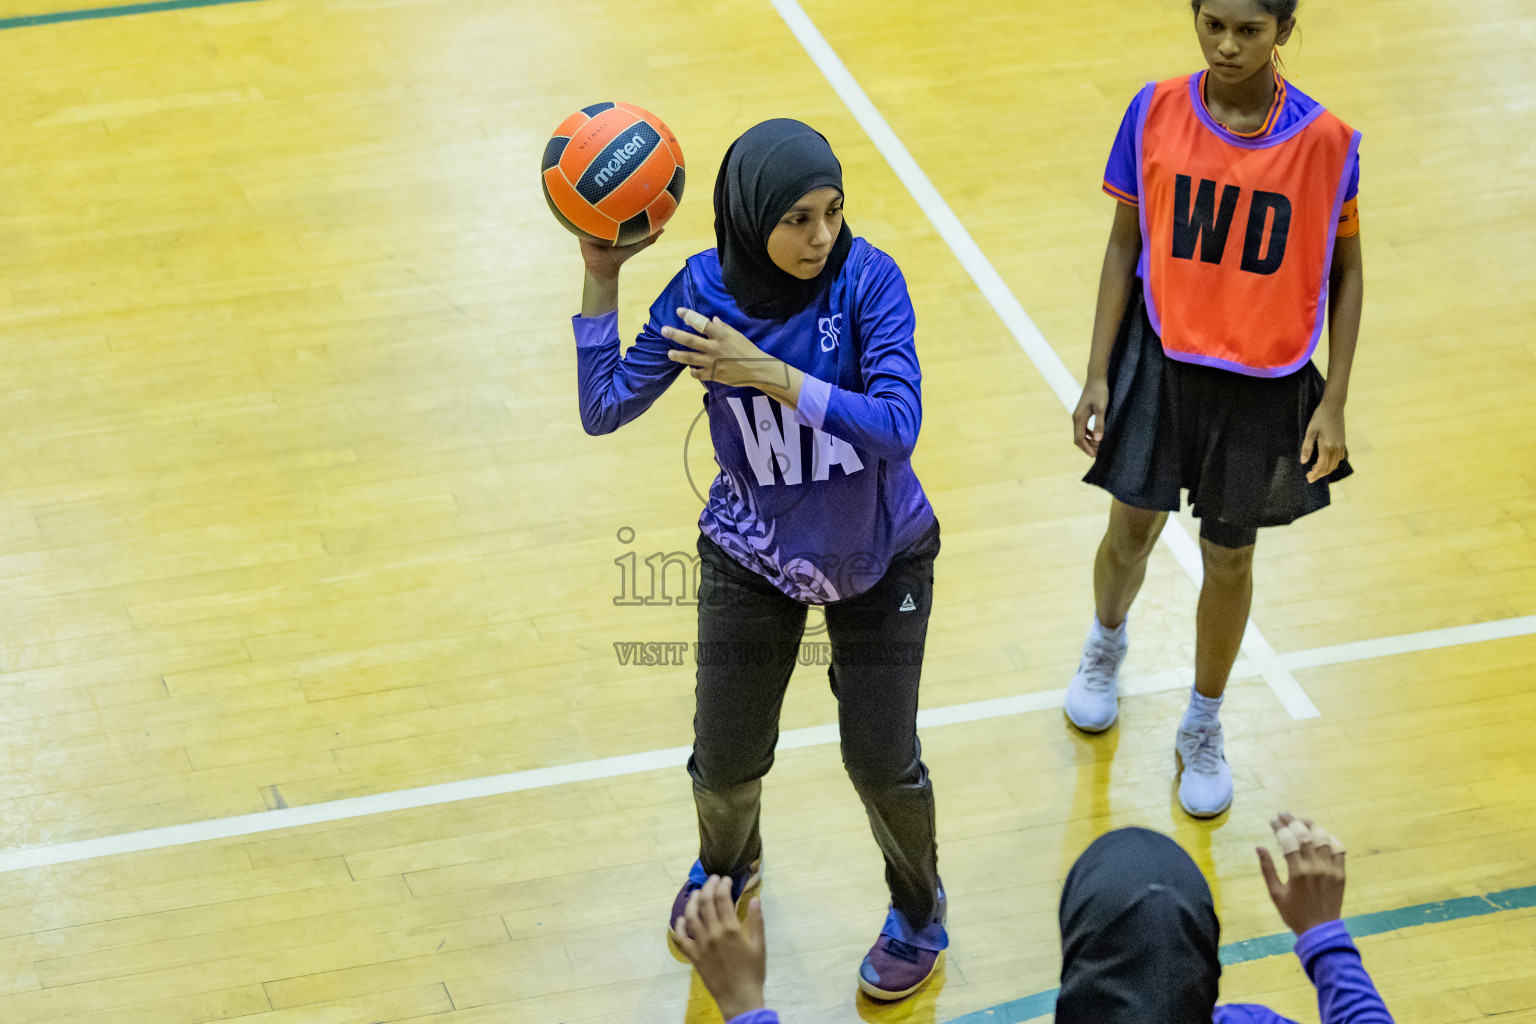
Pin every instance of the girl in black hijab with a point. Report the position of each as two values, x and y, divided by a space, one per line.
763 174
1140 942
1139 935
803 337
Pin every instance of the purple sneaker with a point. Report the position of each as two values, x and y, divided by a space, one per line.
903 958
742 885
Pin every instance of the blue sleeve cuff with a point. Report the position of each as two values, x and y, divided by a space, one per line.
811 410
755 1017
596 331
1329 935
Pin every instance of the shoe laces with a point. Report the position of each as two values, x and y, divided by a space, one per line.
1206 755
1099 660
901 950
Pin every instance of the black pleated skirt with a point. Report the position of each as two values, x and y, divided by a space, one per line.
1232 441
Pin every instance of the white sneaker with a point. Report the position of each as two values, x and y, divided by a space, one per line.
1093 696
1205 779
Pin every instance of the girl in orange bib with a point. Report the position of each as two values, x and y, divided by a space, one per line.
1235 238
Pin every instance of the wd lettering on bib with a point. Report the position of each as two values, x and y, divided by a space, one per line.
1209 225
1253 304
1276 209
1205 225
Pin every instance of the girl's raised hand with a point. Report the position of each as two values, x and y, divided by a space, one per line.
603 261
1314 893
1325 435
721 353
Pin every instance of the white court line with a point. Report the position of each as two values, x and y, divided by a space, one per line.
1381 647
1271 667
676 757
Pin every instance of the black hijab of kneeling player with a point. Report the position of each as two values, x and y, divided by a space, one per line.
1139 935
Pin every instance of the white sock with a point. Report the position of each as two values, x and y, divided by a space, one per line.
1202 708
1114 636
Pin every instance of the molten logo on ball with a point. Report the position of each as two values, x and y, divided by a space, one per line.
636 144
616 162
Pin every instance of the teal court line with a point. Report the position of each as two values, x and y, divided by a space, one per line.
28 20
1043 1003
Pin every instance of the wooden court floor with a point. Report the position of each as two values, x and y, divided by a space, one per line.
296 508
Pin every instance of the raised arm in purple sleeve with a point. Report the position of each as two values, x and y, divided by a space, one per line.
613 391
886 417
1345 993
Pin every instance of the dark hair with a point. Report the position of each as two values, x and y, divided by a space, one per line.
1280 10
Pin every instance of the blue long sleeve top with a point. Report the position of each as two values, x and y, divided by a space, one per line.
818 499
1345 993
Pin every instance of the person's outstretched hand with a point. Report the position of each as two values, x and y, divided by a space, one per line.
1314 893
732 960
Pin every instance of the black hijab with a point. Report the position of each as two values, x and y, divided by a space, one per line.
764 173
1139 935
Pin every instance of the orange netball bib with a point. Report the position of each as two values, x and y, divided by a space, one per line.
1237 234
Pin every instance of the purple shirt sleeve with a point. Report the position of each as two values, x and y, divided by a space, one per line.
755 1017
1120 173
1248 1013
811 410
884 419
1345 993
613 390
